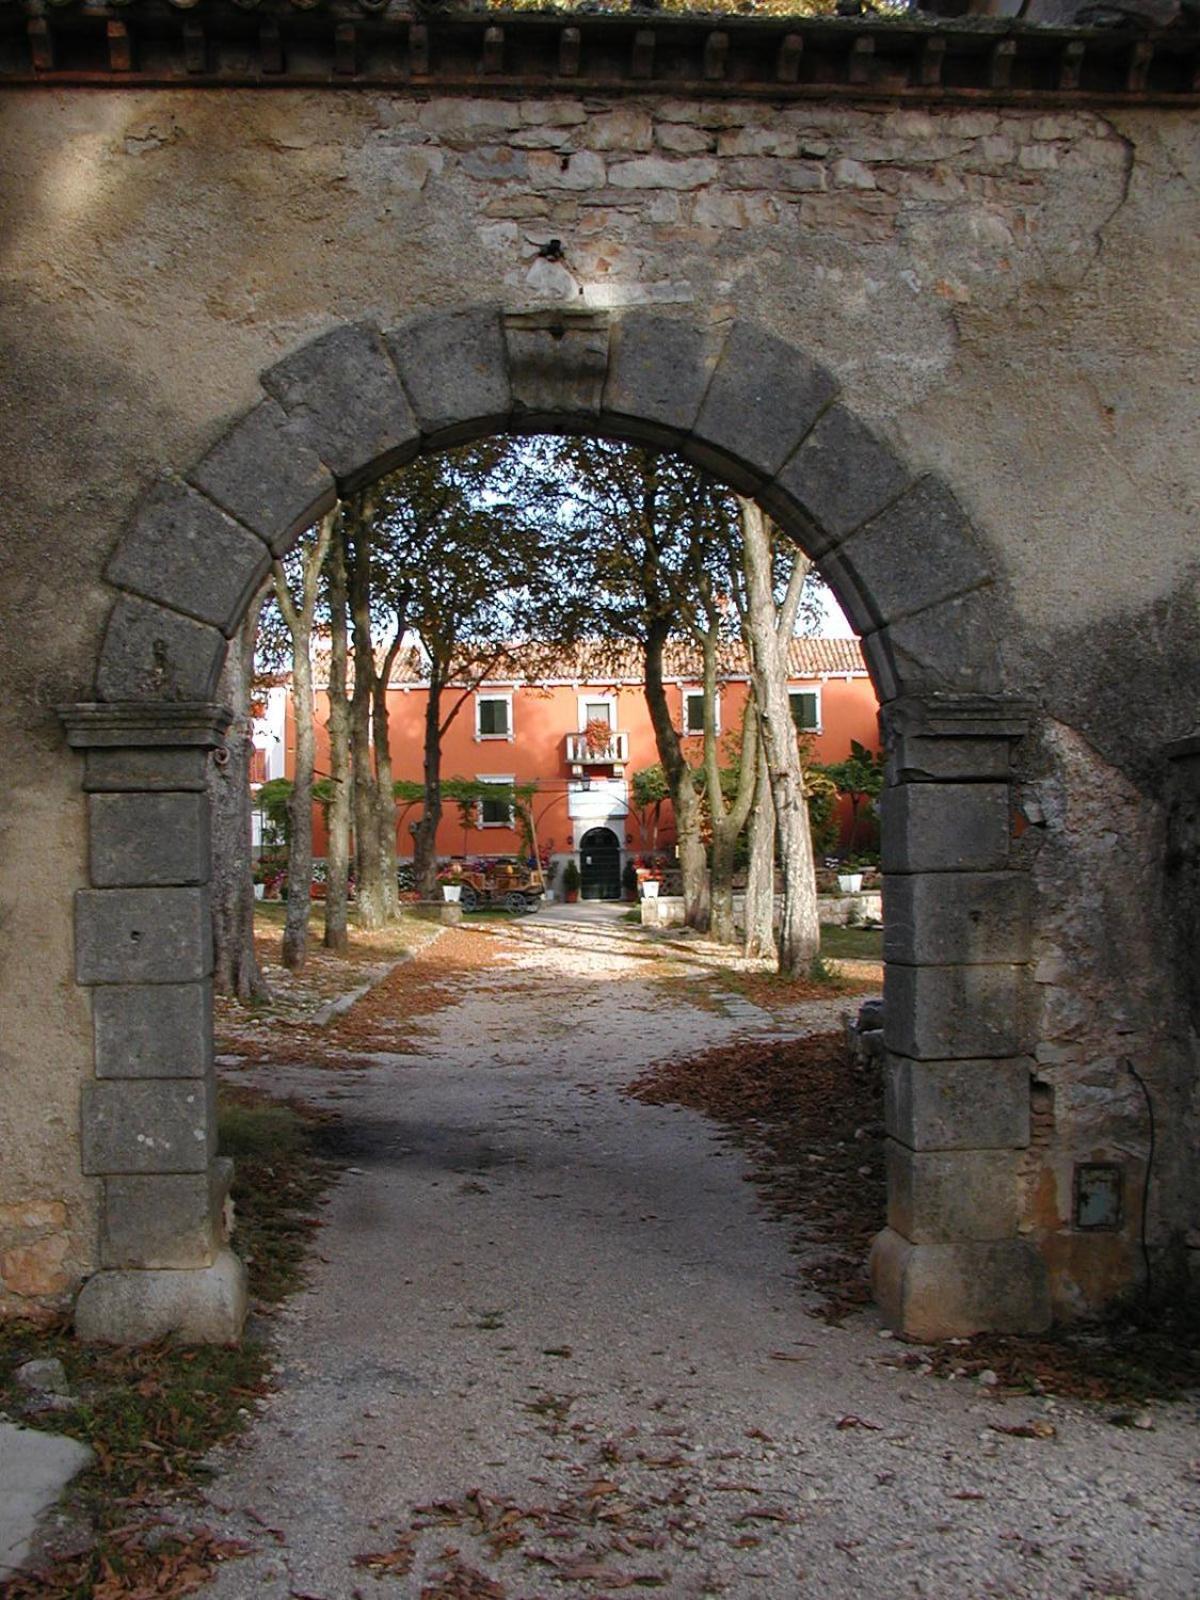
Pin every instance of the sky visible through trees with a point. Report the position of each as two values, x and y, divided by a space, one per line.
513 495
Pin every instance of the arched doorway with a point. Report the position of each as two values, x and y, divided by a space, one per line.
913 577
600 865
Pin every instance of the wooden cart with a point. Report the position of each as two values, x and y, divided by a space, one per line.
505 881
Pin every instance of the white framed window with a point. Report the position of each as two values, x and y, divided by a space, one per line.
693 712
597 708
496 813
493 716
806 709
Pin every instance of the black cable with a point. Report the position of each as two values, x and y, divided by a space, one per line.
1141 1082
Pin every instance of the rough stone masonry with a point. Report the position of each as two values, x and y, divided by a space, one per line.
1005 295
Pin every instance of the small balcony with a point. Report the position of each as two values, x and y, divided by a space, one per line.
583 751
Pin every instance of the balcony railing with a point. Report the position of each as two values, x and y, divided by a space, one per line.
581 752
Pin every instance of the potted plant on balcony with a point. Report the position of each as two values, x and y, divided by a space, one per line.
571 881
597 737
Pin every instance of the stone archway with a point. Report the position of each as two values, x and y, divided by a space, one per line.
912 575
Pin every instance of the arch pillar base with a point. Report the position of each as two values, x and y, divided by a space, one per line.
197 1305
957 1026
143 950
948 1291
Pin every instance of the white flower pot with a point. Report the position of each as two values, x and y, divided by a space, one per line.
260 890
452 892
850 882
650 889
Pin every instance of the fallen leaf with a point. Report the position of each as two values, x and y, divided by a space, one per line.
1037 1428
397 1561
276 1533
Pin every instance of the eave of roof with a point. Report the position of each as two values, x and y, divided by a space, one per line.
331 44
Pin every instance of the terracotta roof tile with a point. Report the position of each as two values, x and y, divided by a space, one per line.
595 663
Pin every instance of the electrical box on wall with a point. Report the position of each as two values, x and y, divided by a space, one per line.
1099 1195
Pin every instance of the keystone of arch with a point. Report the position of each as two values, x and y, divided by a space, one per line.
358 401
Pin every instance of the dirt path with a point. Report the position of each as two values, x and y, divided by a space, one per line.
555 1319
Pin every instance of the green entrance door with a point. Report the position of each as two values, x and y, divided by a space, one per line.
600 865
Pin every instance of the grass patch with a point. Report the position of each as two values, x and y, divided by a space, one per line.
774 990
851 944
279 1178
151 1414
270 918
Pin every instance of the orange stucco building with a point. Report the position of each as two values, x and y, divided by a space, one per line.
517 729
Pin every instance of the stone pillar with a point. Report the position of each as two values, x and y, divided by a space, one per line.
143 946
957 1025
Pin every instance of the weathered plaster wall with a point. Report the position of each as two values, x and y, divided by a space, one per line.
1013 298
1104 938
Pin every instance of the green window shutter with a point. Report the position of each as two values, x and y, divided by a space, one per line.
804 710
493 717
499 812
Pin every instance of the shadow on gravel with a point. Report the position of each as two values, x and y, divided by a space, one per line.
398 1141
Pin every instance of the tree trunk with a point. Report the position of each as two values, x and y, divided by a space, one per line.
385 800
727 820
693 860
298 614
727 829
371 913
425 832
337 850
799 932
760 877
235 965
300 803
721 924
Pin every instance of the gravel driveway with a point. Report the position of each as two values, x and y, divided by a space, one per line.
554 1319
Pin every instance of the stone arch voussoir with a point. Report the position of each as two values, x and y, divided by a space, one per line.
359 401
